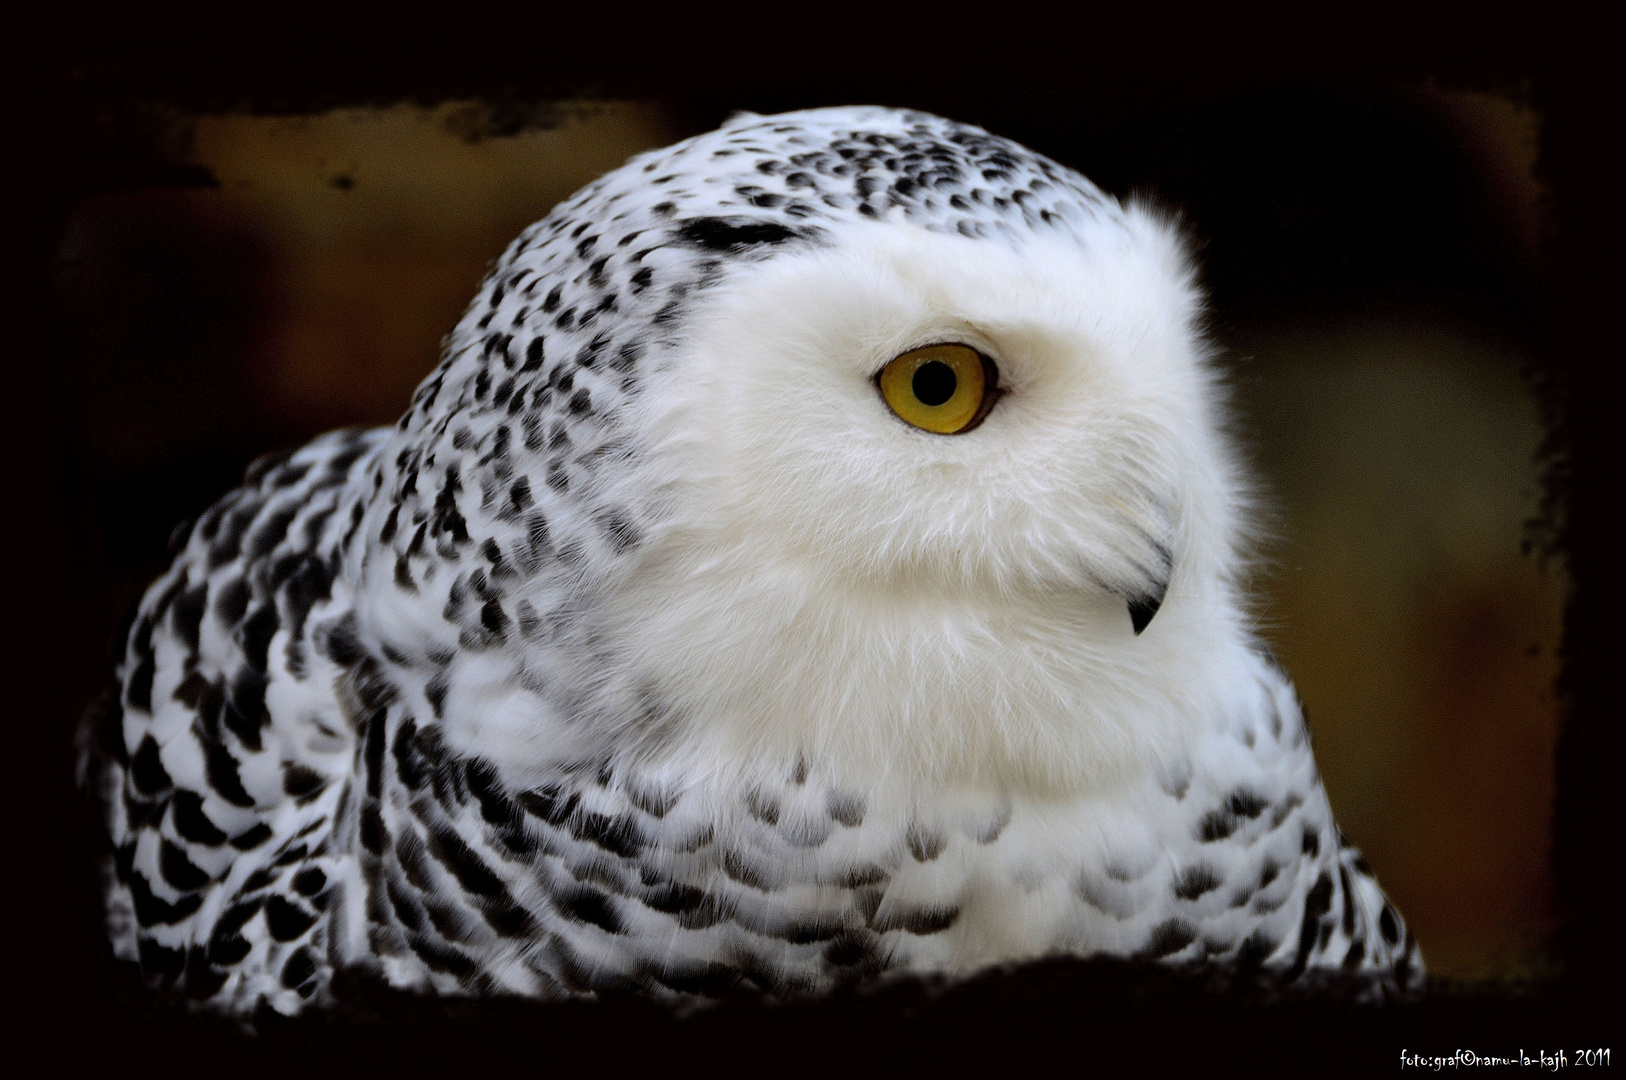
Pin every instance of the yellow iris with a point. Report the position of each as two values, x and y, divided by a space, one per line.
941 388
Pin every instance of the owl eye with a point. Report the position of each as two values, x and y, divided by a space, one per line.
946 389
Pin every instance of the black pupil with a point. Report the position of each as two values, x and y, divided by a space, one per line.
933 383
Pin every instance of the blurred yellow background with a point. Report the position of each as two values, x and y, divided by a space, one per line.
1397 453
383 222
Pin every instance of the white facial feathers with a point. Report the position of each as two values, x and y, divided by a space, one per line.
827 579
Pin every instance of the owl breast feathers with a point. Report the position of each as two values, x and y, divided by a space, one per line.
816 556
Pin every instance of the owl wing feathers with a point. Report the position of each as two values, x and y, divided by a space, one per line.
221 792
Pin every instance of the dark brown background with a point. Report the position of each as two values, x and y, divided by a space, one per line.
235 256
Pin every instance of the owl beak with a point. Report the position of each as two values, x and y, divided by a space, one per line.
1141 610
1145 605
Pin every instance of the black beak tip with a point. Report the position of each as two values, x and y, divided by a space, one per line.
1141 612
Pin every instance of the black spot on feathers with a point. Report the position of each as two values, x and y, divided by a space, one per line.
192 823
471 872
179 871
732 234
299 973
187 614
287 920
921 921
153 910
1195 881
1168 938
589 906
221 769
147 769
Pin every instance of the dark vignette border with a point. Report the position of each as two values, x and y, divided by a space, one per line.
78 137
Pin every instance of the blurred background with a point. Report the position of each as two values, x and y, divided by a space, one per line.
1372 253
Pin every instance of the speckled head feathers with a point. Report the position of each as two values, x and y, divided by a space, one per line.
658 426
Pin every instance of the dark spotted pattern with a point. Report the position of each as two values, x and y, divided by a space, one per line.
282 791
219 810
512 442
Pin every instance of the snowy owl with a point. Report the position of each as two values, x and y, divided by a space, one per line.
817 556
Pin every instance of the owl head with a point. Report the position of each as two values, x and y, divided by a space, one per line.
851 435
